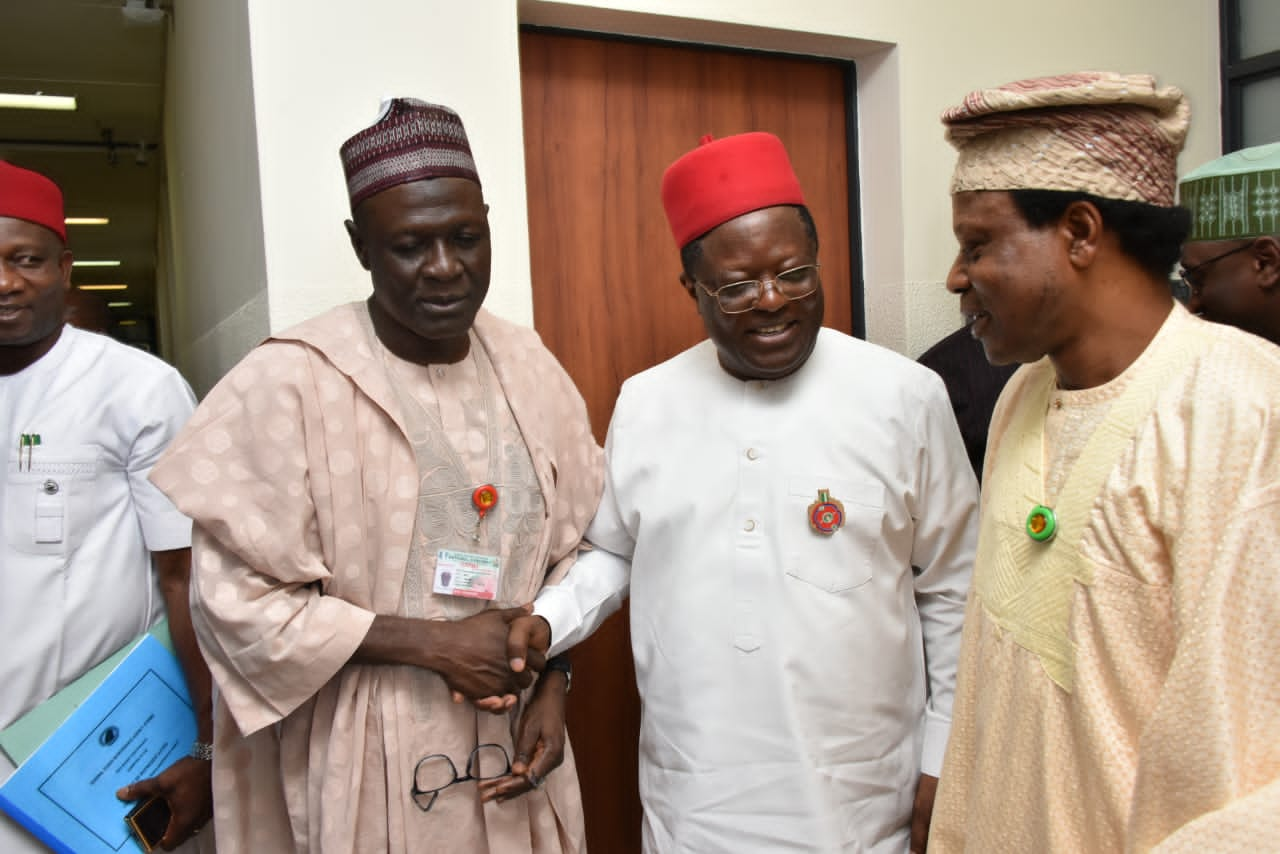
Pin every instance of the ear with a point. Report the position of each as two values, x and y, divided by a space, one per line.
1081 228
1266 259
357 243
690 286
64 267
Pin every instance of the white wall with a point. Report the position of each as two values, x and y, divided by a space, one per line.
319 73
319 69
217 306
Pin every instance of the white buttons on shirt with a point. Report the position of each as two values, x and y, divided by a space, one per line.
752 454
750 525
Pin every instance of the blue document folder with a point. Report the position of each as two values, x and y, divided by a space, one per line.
21 738
135 724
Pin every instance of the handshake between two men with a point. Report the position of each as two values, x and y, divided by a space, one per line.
489 659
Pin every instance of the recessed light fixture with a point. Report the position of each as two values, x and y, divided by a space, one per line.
102 287
87 220
38 101
124 304
128 323
95 263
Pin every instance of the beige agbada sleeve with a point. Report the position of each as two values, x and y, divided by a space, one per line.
304 491
306 488
251 469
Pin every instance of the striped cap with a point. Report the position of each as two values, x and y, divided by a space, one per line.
1116 136
411 141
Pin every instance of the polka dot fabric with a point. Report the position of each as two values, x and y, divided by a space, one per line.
304 489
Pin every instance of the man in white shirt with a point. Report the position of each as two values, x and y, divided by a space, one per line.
93 554
792 514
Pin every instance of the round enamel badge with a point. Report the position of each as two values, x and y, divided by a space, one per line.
826 515
485 498
1041 524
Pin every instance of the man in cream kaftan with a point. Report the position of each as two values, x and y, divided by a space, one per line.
1166 617
300 472
1117 689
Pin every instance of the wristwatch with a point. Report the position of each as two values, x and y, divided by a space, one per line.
562 664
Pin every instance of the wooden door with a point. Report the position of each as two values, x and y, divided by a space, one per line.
602 119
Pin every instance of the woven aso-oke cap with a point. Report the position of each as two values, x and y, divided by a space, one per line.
411 141
1235 196
725 178
1116 136
31 196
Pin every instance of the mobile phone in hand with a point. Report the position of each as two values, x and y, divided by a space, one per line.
149 820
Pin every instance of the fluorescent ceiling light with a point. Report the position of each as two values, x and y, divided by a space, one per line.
37 102
128 323
102 287
86 220
124 304
95 263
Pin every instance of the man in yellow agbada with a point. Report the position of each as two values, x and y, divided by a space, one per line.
1119 682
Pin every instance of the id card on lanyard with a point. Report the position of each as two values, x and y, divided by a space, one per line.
467 574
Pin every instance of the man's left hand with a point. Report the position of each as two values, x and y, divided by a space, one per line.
188 787
539 743
922 813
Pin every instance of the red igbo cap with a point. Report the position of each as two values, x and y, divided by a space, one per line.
725 178
31 196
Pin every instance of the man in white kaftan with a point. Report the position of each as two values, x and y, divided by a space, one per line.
91 554
331 475
795 668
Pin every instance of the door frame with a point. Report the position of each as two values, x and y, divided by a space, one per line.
849 72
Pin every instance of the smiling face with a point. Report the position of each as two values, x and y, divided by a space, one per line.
775 338
426 247
1009 278
35 272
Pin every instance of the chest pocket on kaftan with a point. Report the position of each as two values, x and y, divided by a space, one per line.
49 499
842 560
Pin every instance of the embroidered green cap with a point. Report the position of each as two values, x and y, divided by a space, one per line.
1235 196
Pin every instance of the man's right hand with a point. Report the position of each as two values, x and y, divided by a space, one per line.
528 639
471 654
479 663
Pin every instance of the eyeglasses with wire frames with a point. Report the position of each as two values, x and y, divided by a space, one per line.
435 773
1191 275
739 297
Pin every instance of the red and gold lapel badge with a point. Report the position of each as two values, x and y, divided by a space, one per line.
826 515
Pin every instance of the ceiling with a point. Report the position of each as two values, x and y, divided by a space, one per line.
105 155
